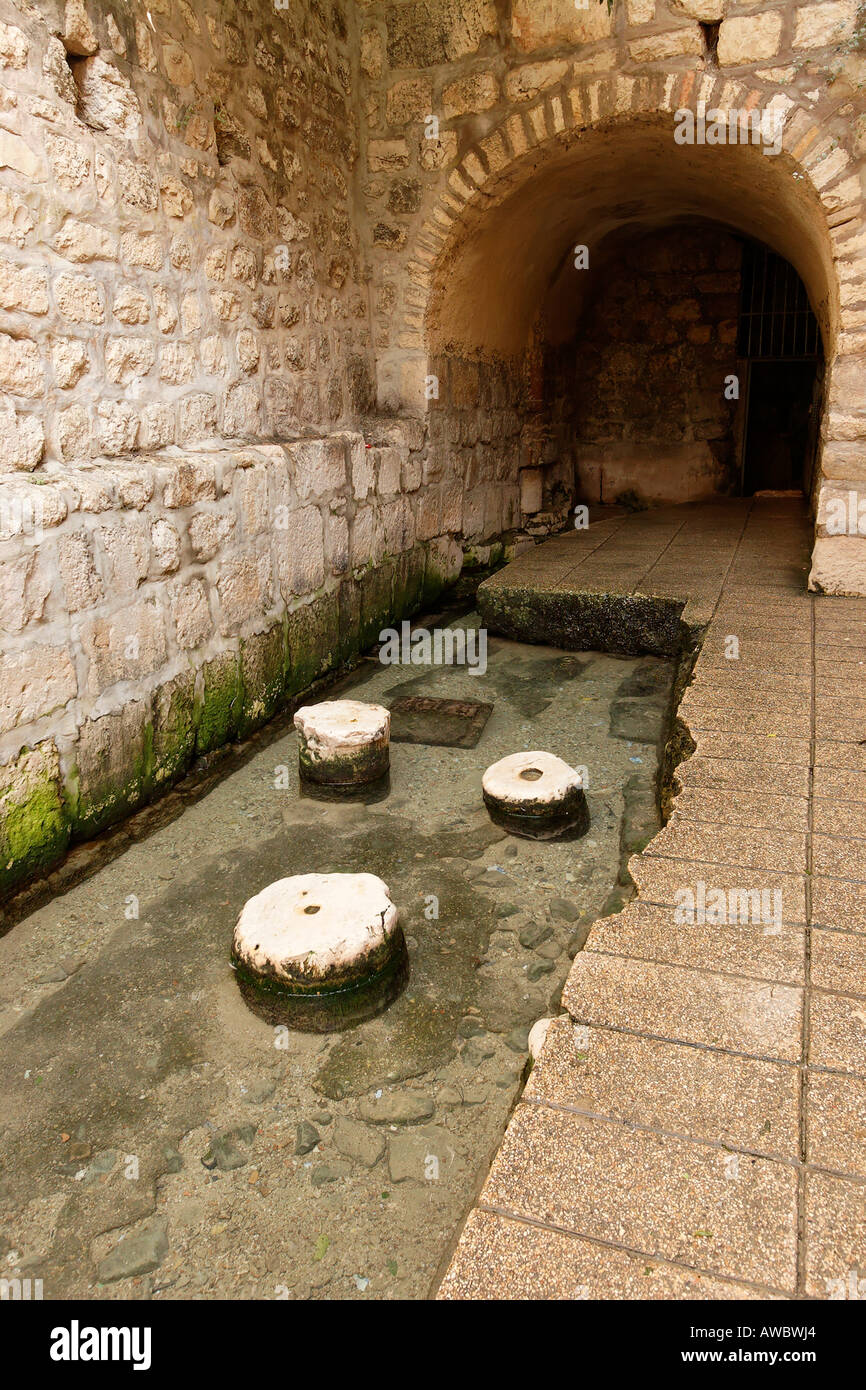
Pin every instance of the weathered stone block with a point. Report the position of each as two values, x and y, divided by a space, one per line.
82 585
191 613
318 466
173 728
128 358
126 646
422 33
244 586
409 100
218 703
34 824
527 82
23 287
113 770
823 26
477 91
34 682
117 427
70 361
749 38
191 480
543 23
24 588
263 676
22 440
80 298
399 525
106 99
127 546
839 565
383 156
299 552
21 370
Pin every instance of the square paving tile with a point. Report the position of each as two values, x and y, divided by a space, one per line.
782 851
846 818
836 753
762 748
838 858
500 1258
691 1091
666 1197
775 778
841 784
839 961
835 1238
836 1128
667 881
697 1006
758 810
647 932
836 903
728 719
837 1032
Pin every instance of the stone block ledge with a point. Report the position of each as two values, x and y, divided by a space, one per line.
153 609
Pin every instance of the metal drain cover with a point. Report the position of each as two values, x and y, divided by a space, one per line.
448 723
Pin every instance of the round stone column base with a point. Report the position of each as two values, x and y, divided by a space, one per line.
343 743
320 952
536 795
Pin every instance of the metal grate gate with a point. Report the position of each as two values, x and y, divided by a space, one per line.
776 320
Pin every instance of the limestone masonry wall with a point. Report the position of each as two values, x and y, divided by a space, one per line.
644 409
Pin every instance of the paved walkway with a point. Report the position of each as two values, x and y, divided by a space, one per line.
696 1124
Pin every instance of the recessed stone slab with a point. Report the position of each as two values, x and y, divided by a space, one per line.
343 742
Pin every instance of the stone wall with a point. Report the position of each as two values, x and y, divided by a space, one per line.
153 610
190 532
179 252
639 395
494 136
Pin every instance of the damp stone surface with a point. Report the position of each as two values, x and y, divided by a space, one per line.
337 1165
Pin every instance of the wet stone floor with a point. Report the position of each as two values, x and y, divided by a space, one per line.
158 1140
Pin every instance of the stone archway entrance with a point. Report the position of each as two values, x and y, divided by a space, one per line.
530 251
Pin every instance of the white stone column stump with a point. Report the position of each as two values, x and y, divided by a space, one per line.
320 951
343 743
535 795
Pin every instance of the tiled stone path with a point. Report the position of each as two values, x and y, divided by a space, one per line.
696 1124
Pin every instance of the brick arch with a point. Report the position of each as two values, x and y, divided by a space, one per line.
805 203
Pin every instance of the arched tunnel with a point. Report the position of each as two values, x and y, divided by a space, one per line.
651 321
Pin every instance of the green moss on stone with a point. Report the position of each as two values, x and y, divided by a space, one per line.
113 770
314 642
377 609
263 676
218 704
34 822
174 729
